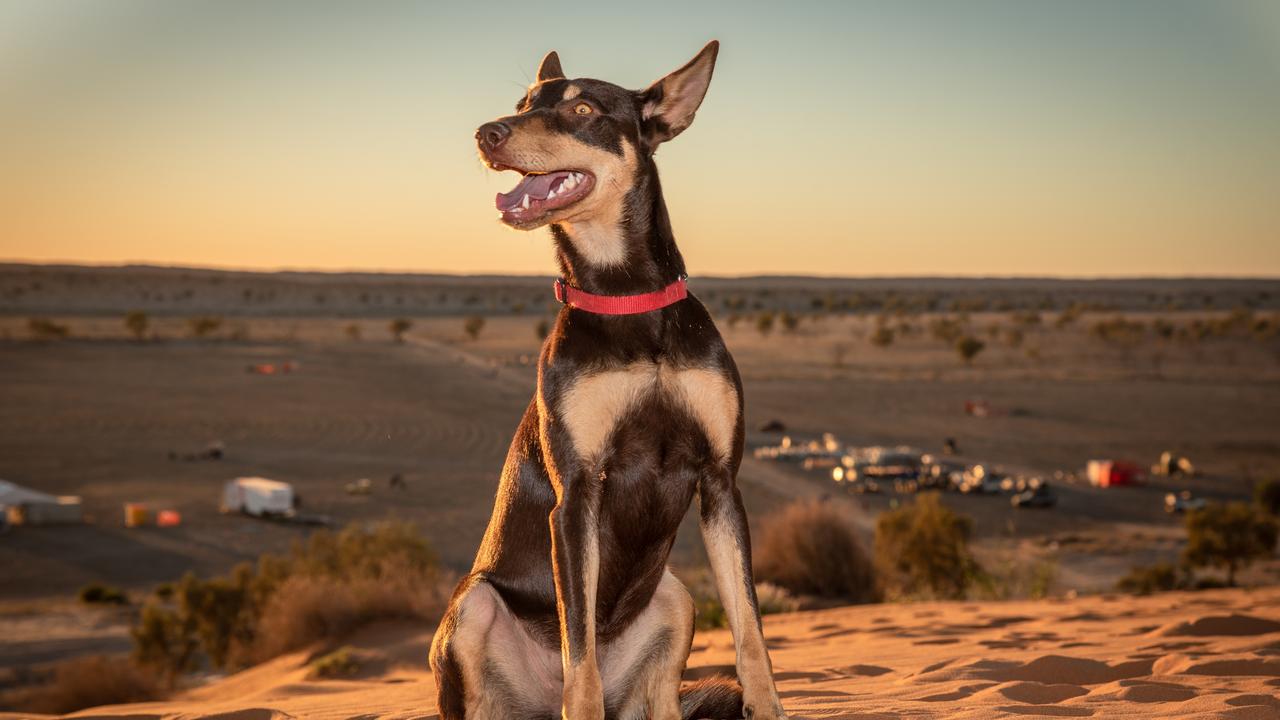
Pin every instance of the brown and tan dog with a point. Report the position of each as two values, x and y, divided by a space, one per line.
570 610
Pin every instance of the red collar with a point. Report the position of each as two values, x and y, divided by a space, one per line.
621 304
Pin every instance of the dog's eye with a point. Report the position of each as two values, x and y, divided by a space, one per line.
583 109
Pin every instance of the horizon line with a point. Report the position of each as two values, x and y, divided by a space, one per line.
300 270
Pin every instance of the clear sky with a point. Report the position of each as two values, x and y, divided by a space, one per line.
1022 137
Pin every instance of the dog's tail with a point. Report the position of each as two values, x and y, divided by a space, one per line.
711 699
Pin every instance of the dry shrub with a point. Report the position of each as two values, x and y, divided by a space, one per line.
309 608
808 548
83 683
922 550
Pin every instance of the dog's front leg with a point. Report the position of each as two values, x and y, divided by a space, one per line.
724 531
576 559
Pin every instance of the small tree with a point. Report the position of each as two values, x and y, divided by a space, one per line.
882 337
968 348
764 323
165 642
790 322
137 322
473 325
399 327
542 329
923 548
1230 536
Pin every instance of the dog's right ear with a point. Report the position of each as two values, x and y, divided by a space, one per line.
549 69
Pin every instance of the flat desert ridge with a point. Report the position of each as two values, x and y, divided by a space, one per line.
1212 654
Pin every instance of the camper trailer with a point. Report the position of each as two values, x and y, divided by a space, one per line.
24 506
258 497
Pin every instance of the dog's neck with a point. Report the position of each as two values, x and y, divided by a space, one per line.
628 251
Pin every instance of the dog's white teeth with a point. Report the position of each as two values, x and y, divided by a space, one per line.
551 194
577 177
570 184
524 205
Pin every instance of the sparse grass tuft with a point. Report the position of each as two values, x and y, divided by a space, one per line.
83 683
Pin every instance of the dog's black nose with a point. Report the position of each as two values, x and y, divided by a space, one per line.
491 135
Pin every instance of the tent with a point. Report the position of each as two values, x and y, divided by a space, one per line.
24 506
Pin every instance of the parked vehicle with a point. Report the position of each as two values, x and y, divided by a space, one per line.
259 497
1183 502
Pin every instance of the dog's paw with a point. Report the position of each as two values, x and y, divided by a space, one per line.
765 710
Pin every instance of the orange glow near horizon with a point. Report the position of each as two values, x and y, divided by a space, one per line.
906 139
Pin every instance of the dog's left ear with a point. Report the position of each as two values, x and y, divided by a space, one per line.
549 69
668 106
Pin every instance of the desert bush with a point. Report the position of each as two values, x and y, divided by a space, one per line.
789 322
947 330
922 549
709 613
1228 536
352 331
99 594
1161 577
1069 316
1027 318
86 682
1266 495
809 548
773 599
968 348
1118 330
542 329
165 642
45 329
137 323
473 325
882 337
399 327
324 588
764 323
204 325
340 663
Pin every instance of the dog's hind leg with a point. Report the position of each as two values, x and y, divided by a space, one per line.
724 531
487 665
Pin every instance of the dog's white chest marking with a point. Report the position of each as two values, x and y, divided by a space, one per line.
594 404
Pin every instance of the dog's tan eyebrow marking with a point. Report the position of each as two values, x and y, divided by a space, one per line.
572 92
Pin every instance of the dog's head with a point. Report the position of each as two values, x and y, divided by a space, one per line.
578 143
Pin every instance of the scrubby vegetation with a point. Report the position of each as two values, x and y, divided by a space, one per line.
85 682
340 663
473 325
204 325
809 548
968 348
399 327
45 329
99 594
137 322
1228 536
322 590
922 550
1161 577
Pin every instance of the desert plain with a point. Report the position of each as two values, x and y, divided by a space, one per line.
111 417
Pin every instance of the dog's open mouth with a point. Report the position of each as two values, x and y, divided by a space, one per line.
539 193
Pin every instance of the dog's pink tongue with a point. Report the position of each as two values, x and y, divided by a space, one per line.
535 186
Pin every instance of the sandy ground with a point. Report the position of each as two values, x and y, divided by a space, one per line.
1213 654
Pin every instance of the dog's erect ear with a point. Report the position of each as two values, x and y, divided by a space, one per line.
549 69
667 107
